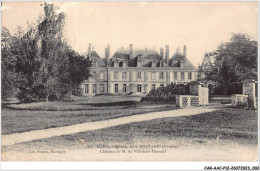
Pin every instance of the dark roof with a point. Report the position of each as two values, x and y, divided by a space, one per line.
149 64
132 62
121 56
154 57
188 64
94 54
100 61
176 59
146 56
145 53
206 63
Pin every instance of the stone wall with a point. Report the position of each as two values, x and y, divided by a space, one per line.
199 96
248 98
239 100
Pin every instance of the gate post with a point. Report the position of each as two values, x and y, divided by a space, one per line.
196 89
249 89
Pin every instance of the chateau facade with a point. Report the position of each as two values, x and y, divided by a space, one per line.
136 71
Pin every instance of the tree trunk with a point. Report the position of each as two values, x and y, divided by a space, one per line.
47 97
226 91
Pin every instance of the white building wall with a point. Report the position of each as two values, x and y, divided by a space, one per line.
172 77
146 79
179 76
134 76
149 76
186 76
111 75
112 88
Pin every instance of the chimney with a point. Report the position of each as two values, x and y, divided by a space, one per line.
161 52
107 53
131 51
167 54
139 61
89 50
184 51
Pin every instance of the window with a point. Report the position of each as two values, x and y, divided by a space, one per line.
153 86
115 75
86 88
101 75
145 88
153 75
175 76
139 88
116 88
189 76
182 75
161 85
94 75
124 88
124 75
94 63
161 64
101 88
94 89
139 75
161 75
116 64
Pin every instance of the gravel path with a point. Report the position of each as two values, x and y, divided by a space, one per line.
73 129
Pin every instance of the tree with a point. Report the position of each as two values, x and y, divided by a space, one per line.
53 58
8 64
39 63
235 61
78 70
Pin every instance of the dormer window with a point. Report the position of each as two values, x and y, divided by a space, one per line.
182 64
124 64
139 61
94 63
153 64
161 63
116 63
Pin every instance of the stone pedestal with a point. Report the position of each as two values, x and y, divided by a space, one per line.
239 100
249 89
194 87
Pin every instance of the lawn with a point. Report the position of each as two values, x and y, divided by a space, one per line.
224 135
226 124
18 118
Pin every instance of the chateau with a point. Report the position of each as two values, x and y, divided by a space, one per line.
136 71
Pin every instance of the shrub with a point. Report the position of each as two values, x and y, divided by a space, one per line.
166 94
77 91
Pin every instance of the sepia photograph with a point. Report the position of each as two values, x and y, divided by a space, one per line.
129 81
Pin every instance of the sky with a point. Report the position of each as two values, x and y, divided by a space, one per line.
201 26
